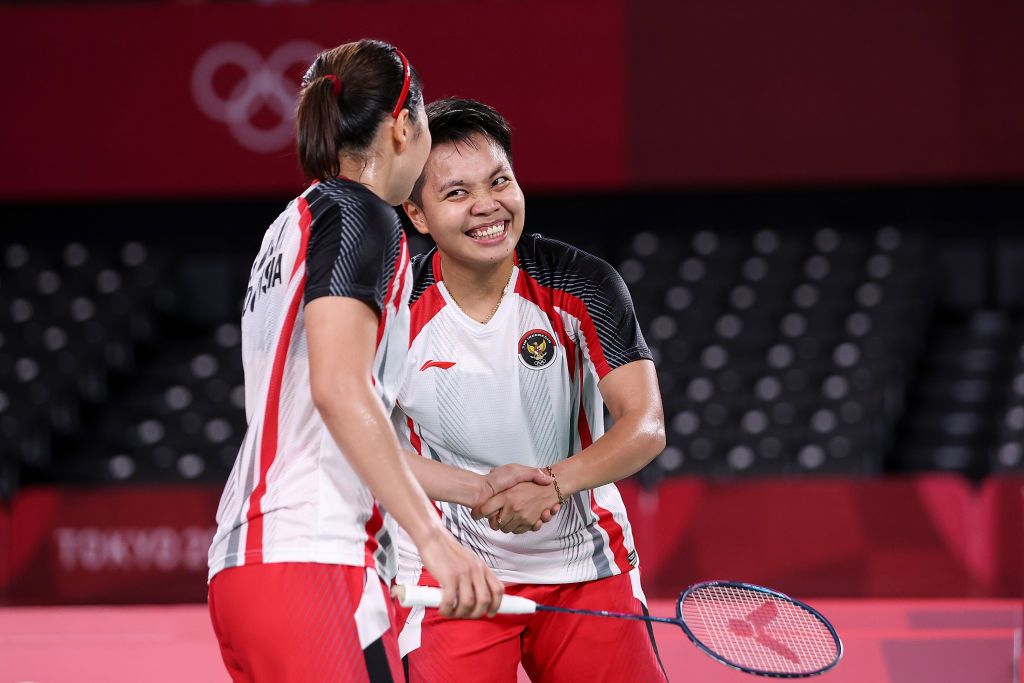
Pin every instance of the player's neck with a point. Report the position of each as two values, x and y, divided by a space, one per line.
372 172
477 291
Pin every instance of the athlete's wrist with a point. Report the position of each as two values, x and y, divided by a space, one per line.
559 496
564 474
479 492
427 534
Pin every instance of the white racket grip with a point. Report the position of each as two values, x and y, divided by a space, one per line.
428 596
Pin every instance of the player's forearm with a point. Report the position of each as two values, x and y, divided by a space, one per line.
447 483
632 442
356 419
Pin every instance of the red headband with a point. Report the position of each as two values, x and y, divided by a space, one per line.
335 84
405 85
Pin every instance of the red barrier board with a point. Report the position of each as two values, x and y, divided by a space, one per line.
841 537
118 545
931 536
1000 523
5 553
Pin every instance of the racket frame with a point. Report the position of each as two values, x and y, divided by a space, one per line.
767 591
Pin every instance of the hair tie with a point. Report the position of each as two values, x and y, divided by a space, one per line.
405 85
335 84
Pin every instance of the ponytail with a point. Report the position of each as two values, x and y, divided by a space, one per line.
318 121
346 93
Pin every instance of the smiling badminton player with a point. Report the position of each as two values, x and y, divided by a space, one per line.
516 345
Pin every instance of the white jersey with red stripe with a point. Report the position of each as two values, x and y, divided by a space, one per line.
522 388
291 495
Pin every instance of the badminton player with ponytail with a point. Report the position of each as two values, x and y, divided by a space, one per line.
517 344
294 592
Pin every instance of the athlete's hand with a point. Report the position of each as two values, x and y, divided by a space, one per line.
469 588
524 507
505 477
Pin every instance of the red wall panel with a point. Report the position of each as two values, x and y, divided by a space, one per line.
103 101
992 96
811 92
603 94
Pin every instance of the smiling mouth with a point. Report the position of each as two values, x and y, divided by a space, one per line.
488 231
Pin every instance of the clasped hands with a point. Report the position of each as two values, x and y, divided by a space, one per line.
516 499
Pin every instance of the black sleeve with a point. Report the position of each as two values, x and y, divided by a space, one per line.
610 308
347 255
592 291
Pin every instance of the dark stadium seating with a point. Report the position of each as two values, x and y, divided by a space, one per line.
183 418
74 317
962 397
779 351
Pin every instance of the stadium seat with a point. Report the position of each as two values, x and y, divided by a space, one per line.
779 351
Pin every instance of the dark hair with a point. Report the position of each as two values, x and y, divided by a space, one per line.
369 74
456 120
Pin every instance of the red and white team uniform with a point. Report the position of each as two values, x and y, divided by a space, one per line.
523 388
291 497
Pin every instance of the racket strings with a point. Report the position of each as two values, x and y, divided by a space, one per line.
758 631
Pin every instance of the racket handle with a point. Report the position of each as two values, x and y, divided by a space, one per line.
428 596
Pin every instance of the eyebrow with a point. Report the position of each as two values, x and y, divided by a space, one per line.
500 168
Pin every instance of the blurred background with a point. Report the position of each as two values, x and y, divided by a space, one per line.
817 207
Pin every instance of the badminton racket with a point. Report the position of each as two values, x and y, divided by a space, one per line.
752 629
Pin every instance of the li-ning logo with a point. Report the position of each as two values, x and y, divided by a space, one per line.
264 86
443 364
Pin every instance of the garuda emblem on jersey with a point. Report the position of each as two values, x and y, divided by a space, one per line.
537 349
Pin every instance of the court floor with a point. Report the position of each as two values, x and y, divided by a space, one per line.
887 641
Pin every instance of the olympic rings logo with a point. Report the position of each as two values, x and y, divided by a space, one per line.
264 86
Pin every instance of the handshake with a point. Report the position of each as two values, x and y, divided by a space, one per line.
515 499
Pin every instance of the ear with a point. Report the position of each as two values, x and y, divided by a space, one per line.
416 215
401 131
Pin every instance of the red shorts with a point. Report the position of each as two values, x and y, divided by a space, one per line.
553 648
304 621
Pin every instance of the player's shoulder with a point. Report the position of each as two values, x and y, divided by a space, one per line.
351 202
423 277
547 259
